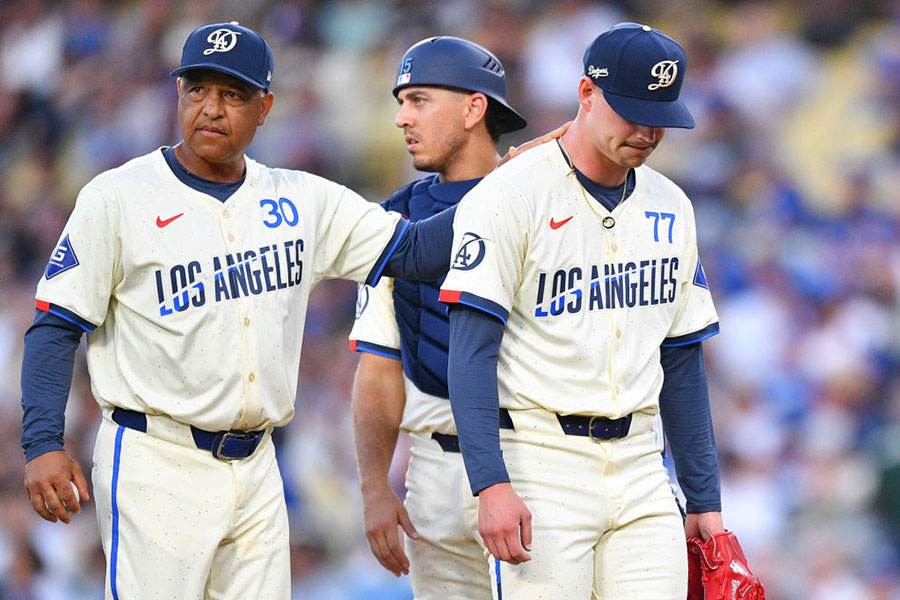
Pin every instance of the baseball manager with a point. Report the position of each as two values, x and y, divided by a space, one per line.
189 269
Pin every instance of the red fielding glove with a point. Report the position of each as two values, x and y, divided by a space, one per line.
695 576
718 570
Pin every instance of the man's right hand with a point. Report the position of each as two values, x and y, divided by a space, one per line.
504 523
514 151
383 511
47 482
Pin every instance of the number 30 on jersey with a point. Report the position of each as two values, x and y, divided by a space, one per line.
279 212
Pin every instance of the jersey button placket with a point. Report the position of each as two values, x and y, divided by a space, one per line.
229 235
615 346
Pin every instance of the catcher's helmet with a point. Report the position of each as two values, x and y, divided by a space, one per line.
458 63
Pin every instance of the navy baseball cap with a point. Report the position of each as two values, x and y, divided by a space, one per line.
640 70
229 48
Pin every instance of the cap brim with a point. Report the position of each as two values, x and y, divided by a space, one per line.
652 113
215 67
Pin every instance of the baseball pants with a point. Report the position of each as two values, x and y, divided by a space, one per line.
605 522
447 562
177 523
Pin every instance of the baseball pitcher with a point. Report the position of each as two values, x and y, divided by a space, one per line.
578 304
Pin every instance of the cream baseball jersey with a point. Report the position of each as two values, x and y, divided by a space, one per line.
375 331
375 326
588 296
195 308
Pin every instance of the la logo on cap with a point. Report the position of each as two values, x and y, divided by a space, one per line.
222 40
665 71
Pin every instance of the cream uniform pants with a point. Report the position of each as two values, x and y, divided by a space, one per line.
447 562
605 522
177 523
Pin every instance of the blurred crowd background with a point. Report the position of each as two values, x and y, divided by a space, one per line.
794 171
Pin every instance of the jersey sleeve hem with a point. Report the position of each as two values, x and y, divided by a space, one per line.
361 346
35 449
482 483
692 338
375 274
703 508
482 304
65 314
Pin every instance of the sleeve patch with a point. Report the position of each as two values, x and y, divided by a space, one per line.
362 299
63 259
700 276
470 253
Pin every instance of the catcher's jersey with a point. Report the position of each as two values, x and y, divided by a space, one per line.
195 308
375 331
404 319
587 295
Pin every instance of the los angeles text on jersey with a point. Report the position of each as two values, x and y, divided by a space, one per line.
251 272
621 285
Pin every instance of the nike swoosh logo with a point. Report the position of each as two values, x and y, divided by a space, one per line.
160 223
558 224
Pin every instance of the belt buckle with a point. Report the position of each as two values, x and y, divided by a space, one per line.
591 430
237 435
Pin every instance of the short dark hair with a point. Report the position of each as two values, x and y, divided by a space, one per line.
495 120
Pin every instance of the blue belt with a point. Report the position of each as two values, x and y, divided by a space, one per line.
597 428
224 445
447 442
450 443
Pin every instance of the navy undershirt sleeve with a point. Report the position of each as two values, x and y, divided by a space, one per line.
423 251
687 423
475 337
47 363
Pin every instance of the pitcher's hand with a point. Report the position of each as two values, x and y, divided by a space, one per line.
504 523
48 482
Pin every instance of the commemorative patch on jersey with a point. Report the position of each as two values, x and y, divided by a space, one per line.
700 276
63 259
470 253
362 299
